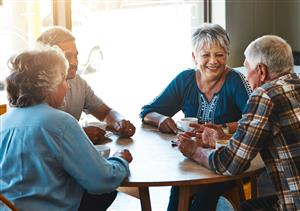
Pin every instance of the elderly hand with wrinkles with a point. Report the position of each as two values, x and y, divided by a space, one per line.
123 128
197 143
95 134
212 132
167 125
209 133
191 145
202 135
188 143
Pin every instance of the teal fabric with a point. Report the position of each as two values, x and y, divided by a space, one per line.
47 161
183 94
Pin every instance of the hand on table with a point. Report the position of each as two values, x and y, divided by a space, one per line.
188 143
209 137
191 145
95 134
218 131
197 127
210 133
125 154
204 136
123 128
167 125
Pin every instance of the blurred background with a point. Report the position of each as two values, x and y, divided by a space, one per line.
129 50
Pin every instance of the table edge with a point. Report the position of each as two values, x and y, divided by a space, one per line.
191 182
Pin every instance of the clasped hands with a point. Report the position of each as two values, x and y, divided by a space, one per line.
123 128
203 136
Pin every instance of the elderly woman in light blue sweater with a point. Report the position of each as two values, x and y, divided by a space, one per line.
47 162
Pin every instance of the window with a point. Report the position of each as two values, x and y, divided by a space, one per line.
20 24
144 45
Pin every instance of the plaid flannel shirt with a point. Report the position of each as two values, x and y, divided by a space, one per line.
270 126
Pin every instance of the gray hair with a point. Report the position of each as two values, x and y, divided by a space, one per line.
210 34
56 35
272 51
34 74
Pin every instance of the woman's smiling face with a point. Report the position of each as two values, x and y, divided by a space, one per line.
211 60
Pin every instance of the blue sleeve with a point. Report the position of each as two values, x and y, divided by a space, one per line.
242 91
82 162
169 101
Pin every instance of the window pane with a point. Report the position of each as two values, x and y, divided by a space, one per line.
20 24
144 45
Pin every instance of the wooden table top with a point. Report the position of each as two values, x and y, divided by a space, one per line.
157 163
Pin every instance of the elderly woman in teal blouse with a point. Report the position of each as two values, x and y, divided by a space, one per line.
47 162
212 92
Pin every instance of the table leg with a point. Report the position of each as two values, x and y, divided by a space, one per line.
184 198
145 198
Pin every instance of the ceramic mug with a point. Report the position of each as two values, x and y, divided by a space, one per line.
101 125
184 123
104 150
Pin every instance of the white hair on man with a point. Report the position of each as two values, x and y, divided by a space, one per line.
272 51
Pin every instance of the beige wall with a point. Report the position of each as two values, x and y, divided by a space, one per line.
287 22
249 19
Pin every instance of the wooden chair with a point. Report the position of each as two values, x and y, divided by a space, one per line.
242 191
8 203
3 109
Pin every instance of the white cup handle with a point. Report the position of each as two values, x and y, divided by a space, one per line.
179 126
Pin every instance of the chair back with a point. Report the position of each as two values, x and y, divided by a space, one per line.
8 203
3 108
94 61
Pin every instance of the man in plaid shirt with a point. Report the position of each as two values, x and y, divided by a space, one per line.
270 125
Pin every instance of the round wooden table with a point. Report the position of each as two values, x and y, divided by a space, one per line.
157 163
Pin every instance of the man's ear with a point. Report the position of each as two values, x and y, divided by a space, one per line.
263 72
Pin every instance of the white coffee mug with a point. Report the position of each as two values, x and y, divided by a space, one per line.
184 123
101 125
104 150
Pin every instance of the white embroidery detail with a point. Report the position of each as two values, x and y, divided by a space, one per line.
206 110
